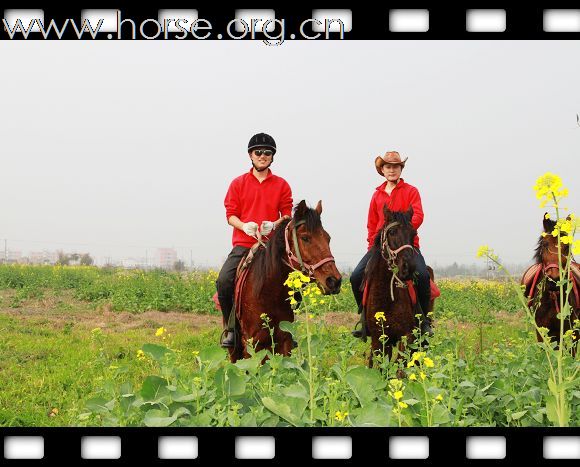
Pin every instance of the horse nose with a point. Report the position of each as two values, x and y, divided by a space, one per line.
333 284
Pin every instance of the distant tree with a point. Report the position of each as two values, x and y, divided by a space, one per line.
179 266
86 260
63 259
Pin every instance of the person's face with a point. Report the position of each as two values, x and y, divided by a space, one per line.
261 157
392 172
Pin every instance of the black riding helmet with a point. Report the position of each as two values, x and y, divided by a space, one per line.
262 140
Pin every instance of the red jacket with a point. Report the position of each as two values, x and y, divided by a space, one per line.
252 201
401 198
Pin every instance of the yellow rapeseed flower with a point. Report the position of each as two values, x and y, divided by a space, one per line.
398 395
413 377
439 397
428 362
423 376
160 331
380 316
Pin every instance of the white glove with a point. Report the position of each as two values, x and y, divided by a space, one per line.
250 228
266 227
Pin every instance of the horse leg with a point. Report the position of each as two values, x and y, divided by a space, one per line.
283 342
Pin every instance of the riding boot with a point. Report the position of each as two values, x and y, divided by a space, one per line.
358 332
228 339
425 322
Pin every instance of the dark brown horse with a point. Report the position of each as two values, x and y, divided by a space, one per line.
388 271
542 289
300 243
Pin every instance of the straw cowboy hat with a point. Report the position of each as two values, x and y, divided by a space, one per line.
390 157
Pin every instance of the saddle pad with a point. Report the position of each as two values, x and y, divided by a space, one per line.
435 292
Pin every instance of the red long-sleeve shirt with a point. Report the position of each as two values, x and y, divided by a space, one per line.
401 198
252 201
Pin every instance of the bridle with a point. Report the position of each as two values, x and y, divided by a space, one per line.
392 256
295 259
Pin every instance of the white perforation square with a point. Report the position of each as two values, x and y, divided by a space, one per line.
255 447
485 447
25 16
23 447
331 447
188 15
561 447
486 20
408 20
408 447
331 16
101 447
109 18
261 15
562 20
177 447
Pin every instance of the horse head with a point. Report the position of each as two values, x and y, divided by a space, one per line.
397 237
547 253
308 248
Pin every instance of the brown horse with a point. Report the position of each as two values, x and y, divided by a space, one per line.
542 289
300 243
386 285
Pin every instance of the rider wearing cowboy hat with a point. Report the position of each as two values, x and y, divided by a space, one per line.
398 196
256 203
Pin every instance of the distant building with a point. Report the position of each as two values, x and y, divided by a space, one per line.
166 257
43 257
13 256
134 263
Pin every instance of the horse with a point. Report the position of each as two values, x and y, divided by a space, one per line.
541 288
387 282
299 243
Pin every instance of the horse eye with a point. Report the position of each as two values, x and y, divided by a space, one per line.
305 238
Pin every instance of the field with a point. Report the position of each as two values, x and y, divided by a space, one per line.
101 347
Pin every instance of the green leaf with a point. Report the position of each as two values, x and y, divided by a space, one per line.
234 382
552 387
364 382
158 418
551 411
289 327
98 405
154 388
296 390
518 415
440 414
288 408
212 356
157 352
377 414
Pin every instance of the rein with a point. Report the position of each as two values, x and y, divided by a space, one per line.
392 257
295 259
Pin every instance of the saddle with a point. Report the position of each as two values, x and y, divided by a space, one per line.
241 274
532 276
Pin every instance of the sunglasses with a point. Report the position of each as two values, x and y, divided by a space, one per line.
266 152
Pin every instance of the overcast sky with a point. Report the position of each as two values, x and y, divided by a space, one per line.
120 147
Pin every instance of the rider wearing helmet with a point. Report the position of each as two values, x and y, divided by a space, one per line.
256 203
398 196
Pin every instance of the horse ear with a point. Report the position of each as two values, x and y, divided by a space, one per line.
318 208
386 212
548 224
410 213
301 209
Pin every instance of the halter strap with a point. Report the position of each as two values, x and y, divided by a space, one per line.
296 258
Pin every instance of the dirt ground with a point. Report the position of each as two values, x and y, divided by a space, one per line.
64 310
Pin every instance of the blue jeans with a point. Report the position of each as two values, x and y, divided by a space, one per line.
422 280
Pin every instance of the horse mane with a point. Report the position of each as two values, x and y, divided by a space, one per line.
549 226
266 262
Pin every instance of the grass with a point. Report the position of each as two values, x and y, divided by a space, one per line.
52 358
